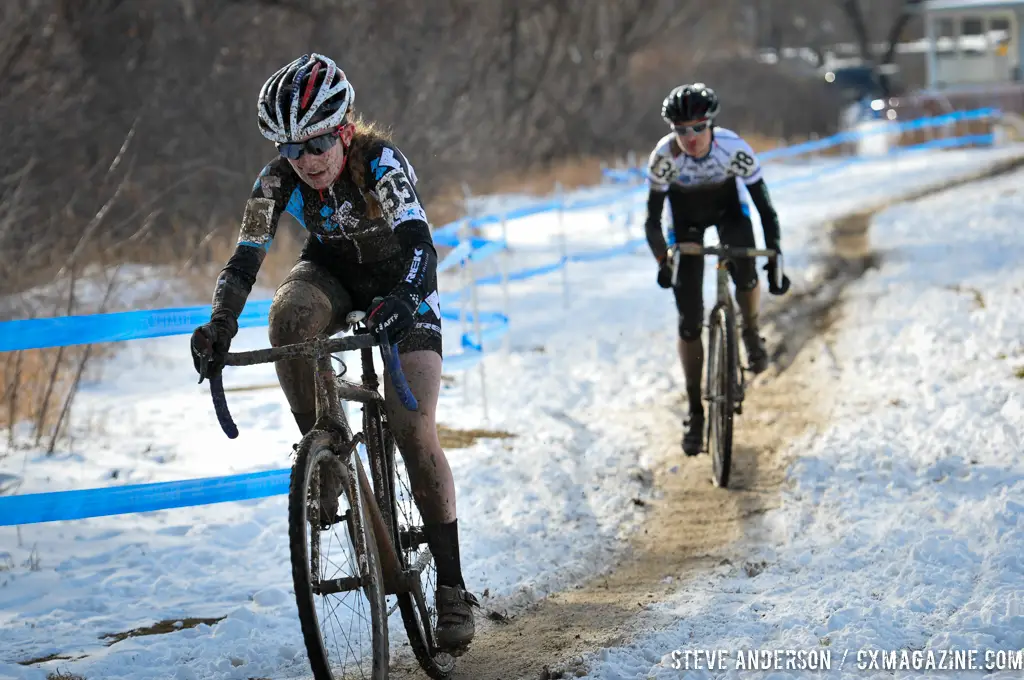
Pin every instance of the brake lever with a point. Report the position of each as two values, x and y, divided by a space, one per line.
204 367
393 365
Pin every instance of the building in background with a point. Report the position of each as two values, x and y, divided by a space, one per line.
972 42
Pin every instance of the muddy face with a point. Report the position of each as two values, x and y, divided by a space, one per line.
319 172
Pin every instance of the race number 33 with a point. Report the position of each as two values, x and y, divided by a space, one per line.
662 169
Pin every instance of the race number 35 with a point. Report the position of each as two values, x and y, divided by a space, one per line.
743 164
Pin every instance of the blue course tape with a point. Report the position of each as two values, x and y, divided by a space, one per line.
119 500
67 331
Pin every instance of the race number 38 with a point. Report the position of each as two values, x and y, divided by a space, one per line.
743 164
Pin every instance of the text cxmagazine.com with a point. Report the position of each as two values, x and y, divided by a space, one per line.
838 659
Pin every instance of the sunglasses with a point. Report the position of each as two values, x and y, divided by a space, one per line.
699 127
314 146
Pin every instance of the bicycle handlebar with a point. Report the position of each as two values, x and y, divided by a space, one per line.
721 251
310 348
727 252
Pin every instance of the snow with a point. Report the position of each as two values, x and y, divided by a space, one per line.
551 506
903 526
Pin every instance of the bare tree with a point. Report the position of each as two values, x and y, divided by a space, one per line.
470 88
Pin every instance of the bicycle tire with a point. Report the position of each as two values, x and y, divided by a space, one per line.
721 382
314 448
413 607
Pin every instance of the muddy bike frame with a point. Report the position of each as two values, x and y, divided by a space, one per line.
378 503
725 380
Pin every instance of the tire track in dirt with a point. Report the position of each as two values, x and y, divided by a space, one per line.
693 526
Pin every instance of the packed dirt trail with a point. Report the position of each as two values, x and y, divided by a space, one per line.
691 525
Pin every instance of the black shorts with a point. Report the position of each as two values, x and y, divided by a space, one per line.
353 286
734 229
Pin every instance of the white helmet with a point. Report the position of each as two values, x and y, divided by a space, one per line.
306 98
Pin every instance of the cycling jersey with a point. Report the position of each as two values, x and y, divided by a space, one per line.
371 214
702 191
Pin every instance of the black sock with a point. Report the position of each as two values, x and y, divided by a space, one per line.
695 404
443 540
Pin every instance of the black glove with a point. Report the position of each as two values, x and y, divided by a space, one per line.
772 267
396 313
210 342
665 274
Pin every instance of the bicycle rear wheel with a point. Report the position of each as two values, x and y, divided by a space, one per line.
336 570
721 382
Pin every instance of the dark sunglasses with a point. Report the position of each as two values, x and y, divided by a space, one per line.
699 127
314 146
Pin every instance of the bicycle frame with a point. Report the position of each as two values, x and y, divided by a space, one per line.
330 390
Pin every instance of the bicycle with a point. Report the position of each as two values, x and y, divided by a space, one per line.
725 375
387 551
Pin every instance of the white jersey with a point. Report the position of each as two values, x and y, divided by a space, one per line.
730 159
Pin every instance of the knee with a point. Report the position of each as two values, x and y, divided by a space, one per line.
744 275
690 324
298 312
690 305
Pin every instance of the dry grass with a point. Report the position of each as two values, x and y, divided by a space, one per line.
197 268
61 675
979 299
39 385
160 628
452 438
49 657
449 203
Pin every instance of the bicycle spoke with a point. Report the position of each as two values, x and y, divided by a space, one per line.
345 627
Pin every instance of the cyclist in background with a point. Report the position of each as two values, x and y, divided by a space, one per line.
698 167
351 188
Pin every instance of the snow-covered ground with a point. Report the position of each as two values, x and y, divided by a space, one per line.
537 512
904 525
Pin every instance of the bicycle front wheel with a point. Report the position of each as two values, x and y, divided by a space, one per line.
336 571
721 380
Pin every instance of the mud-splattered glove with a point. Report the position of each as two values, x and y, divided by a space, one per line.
210 342
396 313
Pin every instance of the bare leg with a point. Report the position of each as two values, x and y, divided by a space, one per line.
749 302
299 312
416 435
434 490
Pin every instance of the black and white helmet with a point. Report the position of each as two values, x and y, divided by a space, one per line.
306 98
690 102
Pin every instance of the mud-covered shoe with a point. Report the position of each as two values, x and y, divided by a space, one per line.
455 625
693 434
757 355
